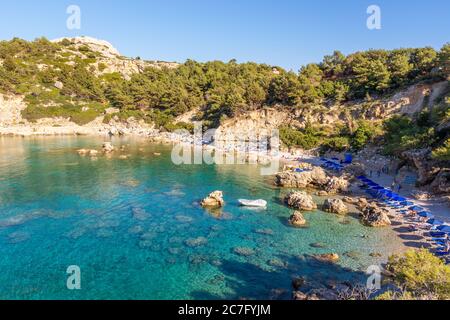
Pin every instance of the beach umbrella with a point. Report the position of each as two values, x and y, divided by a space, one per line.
444 228
407 203
434 222
416 208
426 214
400 198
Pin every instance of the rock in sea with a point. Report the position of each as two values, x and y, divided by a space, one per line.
335 206
297 219
300 200
215 199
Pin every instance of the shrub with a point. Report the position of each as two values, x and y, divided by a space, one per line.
418 274
442 153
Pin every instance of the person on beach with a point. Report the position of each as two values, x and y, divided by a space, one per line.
399 187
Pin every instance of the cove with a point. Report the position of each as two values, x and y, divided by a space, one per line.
134 228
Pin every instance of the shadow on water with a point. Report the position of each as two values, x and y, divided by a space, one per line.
274 281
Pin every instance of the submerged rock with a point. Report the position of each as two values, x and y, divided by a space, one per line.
267 232
318 245
184 219
17 237
244 251
277 263
327 257
196 242
140 214
298 282
135 229
374 216
214 199
335 206
300 200
107 147
297 219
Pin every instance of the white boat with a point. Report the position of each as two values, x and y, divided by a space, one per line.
253 203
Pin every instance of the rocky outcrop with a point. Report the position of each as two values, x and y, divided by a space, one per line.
335 206
441 184
430 172
314 178
107 147
337 184
327 257
300 200
297 219
427 169
215 199
374 216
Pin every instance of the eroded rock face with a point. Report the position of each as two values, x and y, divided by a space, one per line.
441 184
300 200
215 199
374 216
335 206
297 219
427 169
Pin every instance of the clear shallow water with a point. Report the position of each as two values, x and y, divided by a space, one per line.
130 224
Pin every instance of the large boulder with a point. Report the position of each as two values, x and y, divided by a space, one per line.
337 184
297 219
300 200
441 184
335 206
316 177
214 199
374 216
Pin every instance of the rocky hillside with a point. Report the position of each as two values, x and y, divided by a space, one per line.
398 98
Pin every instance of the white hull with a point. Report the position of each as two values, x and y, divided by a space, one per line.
253 203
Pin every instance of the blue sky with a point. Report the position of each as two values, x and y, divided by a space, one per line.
288 33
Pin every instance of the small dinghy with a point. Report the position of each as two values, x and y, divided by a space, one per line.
253 203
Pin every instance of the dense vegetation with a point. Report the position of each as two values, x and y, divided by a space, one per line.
418 274
215 90
422 131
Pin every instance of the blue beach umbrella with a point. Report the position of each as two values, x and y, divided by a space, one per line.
426 214
407 203
434 222
416 208
444 228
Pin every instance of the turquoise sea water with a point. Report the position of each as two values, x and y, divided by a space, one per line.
136 231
